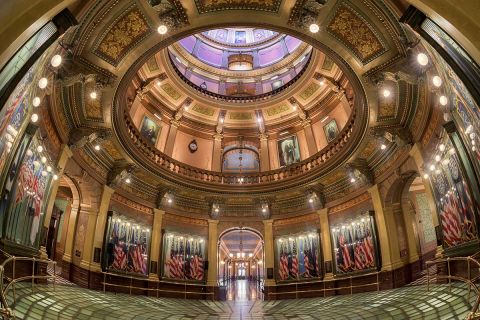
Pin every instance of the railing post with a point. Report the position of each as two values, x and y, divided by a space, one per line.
351 286
469 278
54 275
378 281
13 280
33 273
428 278
131 283
449 276
104 281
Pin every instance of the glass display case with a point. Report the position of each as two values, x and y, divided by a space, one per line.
183 257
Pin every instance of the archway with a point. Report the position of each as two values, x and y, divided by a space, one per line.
240 263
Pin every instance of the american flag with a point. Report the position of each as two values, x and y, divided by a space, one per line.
347 261
283 269
451 227
120 257
294 267
307 265
197 266
175 270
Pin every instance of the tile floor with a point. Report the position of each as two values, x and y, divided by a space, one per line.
72 302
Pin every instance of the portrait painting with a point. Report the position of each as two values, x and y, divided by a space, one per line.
288 151
149 130
331 130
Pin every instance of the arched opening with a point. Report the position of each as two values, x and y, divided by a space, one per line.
62 225
240 263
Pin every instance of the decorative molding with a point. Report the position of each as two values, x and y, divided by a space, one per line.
205 6
131 204
350 203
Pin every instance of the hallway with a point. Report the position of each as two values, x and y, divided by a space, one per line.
243 290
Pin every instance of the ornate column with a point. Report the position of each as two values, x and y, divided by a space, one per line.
217 152
155 243
65 154
88 236
387 233
70 235
99 228
264 156
172 134
326 241
212 274
311 144
269 254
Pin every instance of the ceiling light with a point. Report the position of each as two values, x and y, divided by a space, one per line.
128 180
250 255
34 118
314 28
55 177
36 101
437 81
39 149
310 200
352 180
422 59
432 167
383 146
386 93
169 200
216 210
264 210
93 95
443 100
231 255
294 108
42 83
451 151
442 147
56 61
425 176
162 29
221 120
97 147
259 120
437 158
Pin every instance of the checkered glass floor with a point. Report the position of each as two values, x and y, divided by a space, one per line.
72 302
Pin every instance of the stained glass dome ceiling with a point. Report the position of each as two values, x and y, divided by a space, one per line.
239 61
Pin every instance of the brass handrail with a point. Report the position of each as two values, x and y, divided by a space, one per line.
324 281
131 287
470 281
5 310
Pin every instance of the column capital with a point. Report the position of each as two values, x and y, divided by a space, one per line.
212 221
218 136
157 211
175 123
263 136
107 190
269 221
323 211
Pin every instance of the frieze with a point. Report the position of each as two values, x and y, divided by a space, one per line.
350 203
204 6
185 220
293 220
131 204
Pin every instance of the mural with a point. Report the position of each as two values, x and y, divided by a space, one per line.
126 245
453 199
31 177
149 130
331 130
354 245
240 37
13 116
288 151
183 256
297 256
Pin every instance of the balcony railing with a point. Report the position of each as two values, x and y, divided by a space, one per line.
169 165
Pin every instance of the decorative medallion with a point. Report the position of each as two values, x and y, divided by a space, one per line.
206 111
170 90
123 35
309 90
204 6
356 33
240 116
276 110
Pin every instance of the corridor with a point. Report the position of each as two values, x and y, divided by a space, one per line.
243 290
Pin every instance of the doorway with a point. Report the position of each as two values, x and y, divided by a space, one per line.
240 259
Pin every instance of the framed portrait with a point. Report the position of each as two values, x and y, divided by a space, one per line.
288 151
149 130
331 130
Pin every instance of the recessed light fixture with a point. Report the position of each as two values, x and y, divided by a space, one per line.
443 100
42 83
314 28
39 149
352 180
34 118
162 29
437 81
128 180
97 147
56 61
386 93
36 101
422 59
383 146
93 95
